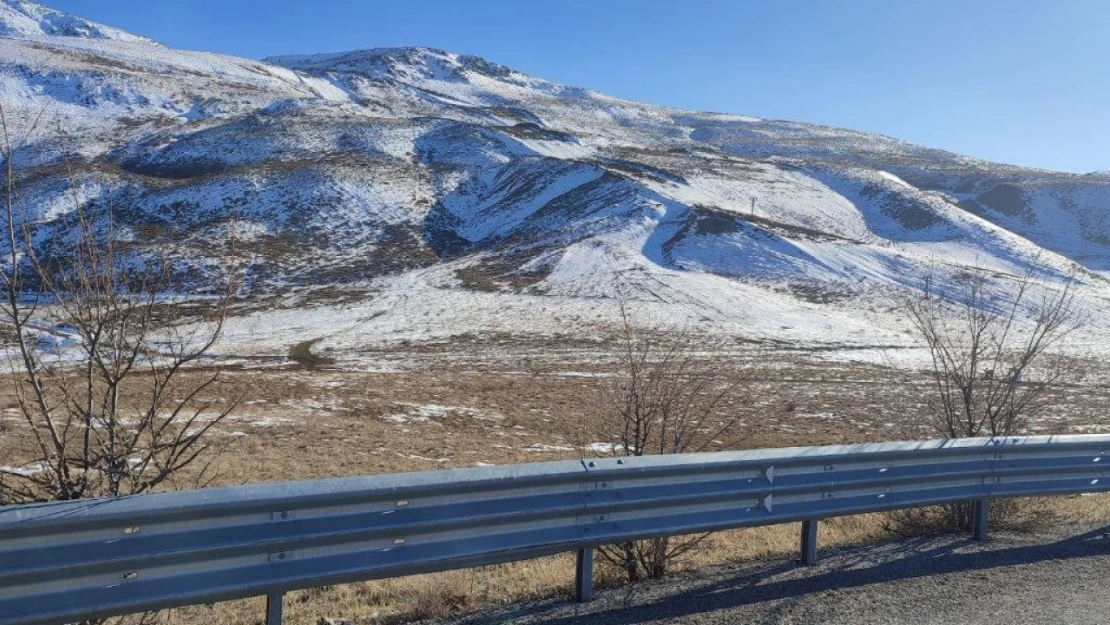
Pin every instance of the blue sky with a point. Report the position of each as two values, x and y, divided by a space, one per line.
1017 81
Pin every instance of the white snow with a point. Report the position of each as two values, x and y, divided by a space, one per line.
543 447
19 18
25 471
423 413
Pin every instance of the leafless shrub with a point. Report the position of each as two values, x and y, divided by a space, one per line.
662 399
100 355
994 369
1021 515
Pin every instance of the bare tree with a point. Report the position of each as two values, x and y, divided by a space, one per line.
103 357
995 365
663 399
993 361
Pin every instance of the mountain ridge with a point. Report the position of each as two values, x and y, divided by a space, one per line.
28 19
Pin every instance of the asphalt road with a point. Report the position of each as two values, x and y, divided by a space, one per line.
1060 577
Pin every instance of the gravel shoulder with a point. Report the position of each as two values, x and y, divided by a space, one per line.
1058 576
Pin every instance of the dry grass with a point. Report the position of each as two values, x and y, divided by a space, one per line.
300 423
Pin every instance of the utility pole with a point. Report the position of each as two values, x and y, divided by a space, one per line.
753 207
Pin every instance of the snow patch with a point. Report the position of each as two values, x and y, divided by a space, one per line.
423 413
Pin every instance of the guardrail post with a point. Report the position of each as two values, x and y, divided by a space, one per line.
584 576
979 519
273 608
809 542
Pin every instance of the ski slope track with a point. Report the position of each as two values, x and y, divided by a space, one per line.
413 193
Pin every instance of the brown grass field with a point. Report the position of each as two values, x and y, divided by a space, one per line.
463 404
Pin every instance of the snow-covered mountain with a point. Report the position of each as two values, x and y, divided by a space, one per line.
28 19
454 194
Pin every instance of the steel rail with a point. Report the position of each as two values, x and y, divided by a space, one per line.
66 561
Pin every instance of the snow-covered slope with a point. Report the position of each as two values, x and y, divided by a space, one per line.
19 18
445 190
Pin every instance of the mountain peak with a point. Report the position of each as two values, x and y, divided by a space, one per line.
21 18
409 62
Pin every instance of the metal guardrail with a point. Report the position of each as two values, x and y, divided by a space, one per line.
65 561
